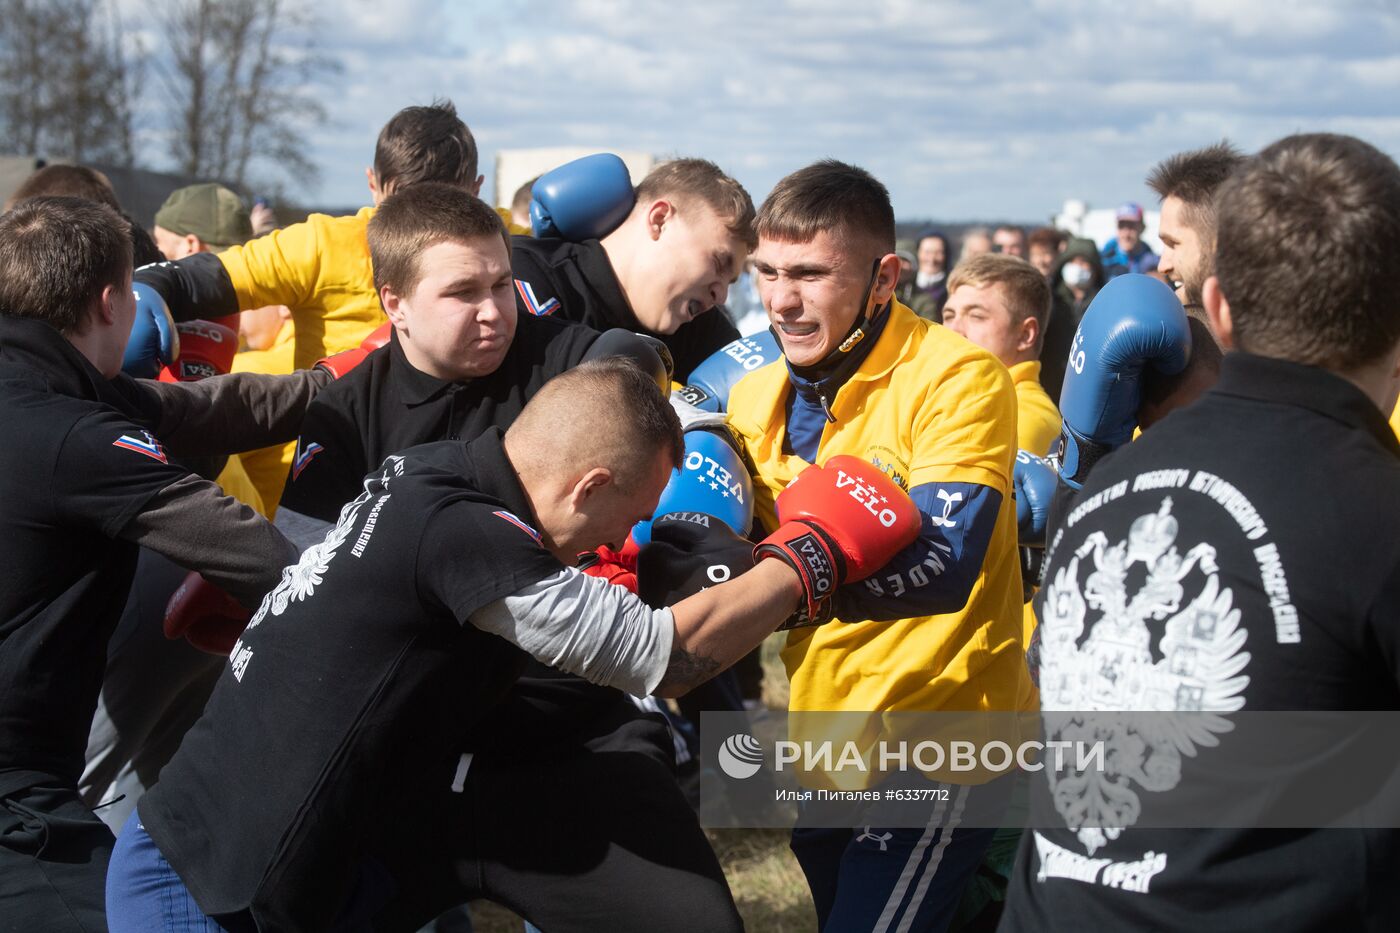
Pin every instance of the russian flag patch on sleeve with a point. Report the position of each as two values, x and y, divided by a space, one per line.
532 304
507 516
304 455
145 444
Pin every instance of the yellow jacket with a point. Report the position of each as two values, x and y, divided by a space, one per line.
928 407
1037 418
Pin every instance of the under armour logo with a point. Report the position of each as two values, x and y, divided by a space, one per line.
949 500
881 838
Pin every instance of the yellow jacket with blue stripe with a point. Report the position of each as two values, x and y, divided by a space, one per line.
939 415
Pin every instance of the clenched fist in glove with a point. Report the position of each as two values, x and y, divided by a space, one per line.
207 348
617 567
1034 481
154 341
689 552
205 616
838 523
1134 324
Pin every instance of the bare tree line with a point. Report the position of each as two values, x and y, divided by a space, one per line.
230 98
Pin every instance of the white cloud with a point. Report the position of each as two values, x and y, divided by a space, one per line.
964 109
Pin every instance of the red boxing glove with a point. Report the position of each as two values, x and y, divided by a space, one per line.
205 616
617 567
206 349
339 364
839 522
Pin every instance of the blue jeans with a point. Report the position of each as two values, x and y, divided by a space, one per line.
144 895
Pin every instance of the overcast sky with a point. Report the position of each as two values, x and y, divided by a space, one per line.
964 109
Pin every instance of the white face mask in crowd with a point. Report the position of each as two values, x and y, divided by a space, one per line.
1075 275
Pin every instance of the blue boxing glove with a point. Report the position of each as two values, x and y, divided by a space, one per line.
712 481
1136 321
154 341
585 199
1034 480
711 381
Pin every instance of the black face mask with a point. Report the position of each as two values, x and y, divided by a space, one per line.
853 337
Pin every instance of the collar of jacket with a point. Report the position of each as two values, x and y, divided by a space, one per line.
602 278
414 386
35 349
895 342
1263 378
495 475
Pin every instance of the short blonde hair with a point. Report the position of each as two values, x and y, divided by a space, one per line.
1027 292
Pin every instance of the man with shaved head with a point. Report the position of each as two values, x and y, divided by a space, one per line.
462 362
322 787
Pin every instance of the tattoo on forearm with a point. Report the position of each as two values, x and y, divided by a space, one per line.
687 670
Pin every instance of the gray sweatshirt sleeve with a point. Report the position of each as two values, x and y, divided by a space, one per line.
586 626
233 413
194 524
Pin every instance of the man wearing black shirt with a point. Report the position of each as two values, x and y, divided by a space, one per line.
1263 517
316 792
619 827
662 272
87 482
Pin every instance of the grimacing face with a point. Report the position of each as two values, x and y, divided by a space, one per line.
688 269
616 508
813 293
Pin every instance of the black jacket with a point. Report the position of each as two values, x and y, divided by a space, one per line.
1241 555
576 282
86 478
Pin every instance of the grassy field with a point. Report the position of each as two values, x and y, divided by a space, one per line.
767 884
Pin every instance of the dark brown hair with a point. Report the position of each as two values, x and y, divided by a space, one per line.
57 254
417 217
69 181
1309 251
1046 238
425 144
845 200
684 180
1194 177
